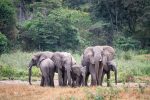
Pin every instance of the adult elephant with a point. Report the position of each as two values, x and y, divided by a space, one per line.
95 59
63 62
46 65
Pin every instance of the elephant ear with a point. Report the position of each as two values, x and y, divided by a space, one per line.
108 53
83 70
91 56
92 60
39 57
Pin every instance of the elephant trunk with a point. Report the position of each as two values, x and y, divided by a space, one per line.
97 71
115 72
83 81
30 73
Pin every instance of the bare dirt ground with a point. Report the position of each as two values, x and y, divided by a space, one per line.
21 90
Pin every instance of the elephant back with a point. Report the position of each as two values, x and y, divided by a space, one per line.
47 63
47 54
56 58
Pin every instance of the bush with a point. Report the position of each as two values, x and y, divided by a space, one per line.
126 44
127 56
3 43
7 71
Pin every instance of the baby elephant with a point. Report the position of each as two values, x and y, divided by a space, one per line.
111 66
78 75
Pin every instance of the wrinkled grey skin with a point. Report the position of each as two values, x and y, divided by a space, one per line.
78 75
46 65
111 66
95 59
63 62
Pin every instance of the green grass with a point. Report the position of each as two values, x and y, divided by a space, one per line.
129 64
15 65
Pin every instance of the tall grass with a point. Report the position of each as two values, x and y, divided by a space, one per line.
129 64
15 65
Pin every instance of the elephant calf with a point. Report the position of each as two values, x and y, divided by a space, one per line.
78 75
110 66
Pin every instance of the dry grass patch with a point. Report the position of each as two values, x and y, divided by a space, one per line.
35 92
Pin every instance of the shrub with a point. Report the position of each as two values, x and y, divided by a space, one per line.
127 56
7 71
126 44
3 43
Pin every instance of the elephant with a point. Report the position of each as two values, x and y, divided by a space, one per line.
111 66
63 62
78 75
46 65
96 58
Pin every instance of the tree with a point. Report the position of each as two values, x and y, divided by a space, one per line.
7 19
54 32
122 15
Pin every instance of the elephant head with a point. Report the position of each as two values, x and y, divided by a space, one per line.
36 60
107 54
78 75
95 58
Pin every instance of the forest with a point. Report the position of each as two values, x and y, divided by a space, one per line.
30 26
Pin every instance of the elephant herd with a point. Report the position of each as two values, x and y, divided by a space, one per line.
95 61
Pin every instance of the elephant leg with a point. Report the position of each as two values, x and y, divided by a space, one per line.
108 79
69 77
60 78
65 78
81 81
100 75
52 78
78 81
93 75
42 81
86 79
47 80
103 76
73 83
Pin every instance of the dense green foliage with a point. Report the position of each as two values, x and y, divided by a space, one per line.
124 17
54 32
126 43
75 24
3 43
7 18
